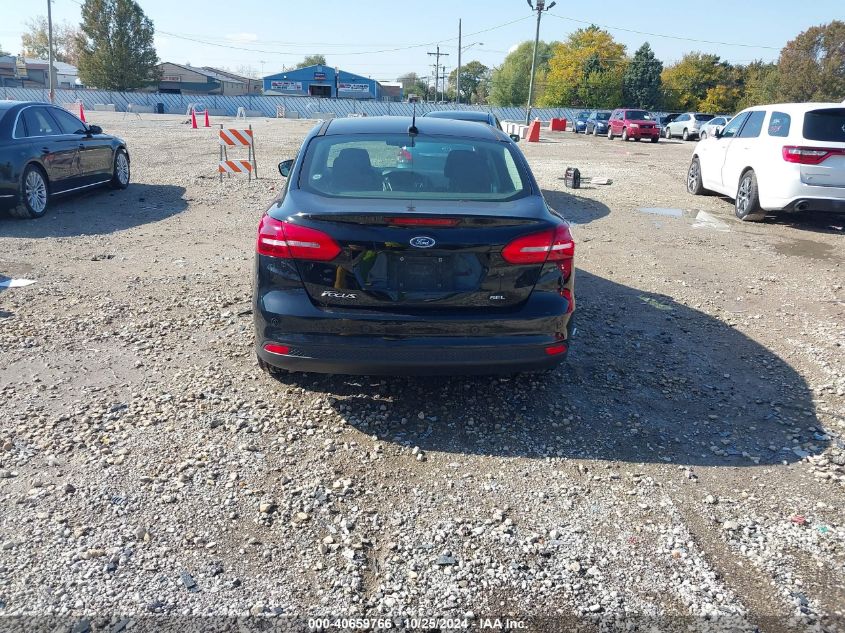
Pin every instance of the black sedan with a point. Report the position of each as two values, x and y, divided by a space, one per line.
46 151
597 123
466 115
451 264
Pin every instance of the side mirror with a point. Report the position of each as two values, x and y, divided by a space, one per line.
95 129
515 137
285 167
717 133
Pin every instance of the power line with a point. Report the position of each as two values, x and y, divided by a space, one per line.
671 37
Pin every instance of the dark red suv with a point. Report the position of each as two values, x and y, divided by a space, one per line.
633 124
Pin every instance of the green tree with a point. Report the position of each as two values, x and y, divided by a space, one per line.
720 99
413 84
312 60
641 84
473 74
509 82
760 84
686 83
812 66
116 48
585 70
35 41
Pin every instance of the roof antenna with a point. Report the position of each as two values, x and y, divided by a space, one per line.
413 131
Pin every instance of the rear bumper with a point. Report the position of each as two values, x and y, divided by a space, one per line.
832 205
378 343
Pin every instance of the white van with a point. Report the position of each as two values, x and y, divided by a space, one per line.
784 157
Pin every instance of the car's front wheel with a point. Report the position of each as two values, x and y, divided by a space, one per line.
625 136
34 194
595 130
668 133
703 136
121 172
694 181
747 203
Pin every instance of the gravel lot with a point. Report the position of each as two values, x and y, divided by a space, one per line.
687 463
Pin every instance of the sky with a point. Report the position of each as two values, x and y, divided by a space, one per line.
383 39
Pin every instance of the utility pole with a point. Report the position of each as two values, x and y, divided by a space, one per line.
539 8
458 75
437 56
50 70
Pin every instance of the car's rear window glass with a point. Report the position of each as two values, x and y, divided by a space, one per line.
703 117
779 124
825 125
427 167
638 115
39 123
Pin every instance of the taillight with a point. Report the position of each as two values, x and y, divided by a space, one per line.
274 348
809 155
292 241
423 221
554 350
553 245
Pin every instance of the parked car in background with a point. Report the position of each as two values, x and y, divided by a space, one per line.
716 124
466 115
580 122
632 124
597 123
686 125
46 151
785 157
454 264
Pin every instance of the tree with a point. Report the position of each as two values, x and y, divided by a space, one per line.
586 70
812 66
35 41
685 84
412 84
312 60
641 84
473 74
721 98
761 84
116 49
509 82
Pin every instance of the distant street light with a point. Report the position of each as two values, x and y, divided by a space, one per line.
539 8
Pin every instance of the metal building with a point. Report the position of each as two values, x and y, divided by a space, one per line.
322 81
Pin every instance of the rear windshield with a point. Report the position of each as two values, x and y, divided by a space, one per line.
425 168
638 115
460 116
703 117
825 125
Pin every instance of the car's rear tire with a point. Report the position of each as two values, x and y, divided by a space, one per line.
609 134
34 194
695 184
120 171
655 139
268 368
747 201
685 135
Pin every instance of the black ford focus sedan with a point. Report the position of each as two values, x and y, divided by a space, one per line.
411 247
46 151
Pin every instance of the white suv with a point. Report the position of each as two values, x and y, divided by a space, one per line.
785 157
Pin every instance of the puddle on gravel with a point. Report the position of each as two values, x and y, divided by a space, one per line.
697 219
805 248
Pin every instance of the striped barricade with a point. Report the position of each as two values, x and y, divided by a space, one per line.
231 138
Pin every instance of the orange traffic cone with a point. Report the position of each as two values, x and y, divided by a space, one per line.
82 113
207 124
193 118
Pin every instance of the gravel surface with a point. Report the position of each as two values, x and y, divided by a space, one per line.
686 462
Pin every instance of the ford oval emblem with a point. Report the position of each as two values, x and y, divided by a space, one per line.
423 241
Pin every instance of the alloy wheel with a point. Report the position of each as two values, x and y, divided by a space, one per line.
36 191
122 168
692 176
743 196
